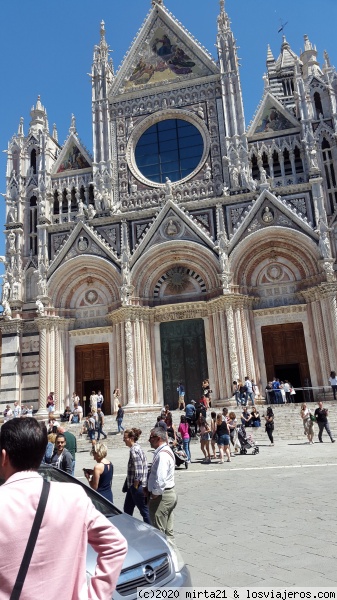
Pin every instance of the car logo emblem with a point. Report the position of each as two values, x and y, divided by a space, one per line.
149 574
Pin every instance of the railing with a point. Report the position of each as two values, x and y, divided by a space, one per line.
303 394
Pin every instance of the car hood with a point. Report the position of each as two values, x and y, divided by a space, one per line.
144 542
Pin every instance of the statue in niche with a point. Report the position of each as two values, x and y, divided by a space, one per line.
82 244
324 242
15 290
40 308
42 207
263 175
234 174
7 313
133 188
12 212
267 215
208 172
11 242
80 208
98 202
5 291
172 228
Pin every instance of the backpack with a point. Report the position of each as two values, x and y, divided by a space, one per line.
48 453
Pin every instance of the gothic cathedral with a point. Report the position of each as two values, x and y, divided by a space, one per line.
186 246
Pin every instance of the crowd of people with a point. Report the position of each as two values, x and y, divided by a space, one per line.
279 392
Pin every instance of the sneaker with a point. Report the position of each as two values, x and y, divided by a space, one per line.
332 441
220 462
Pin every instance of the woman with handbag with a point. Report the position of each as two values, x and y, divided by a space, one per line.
308 422
185 432
269 418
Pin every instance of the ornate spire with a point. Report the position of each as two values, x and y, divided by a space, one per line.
20 130
55 134
72 128
39 116
223 20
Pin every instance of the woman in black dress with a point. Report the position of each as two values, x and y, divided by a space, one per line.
100 477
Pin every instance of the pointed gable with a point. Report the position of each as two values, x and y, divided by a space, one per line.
83 240
272 119
171 224
269 210
73 157
162 52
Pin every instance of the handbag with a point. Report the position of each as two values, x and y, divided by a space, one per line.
313 418
27 557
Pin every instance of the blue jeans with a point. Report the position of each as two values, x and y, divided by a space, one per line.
91 434
237 398
100 431
119 423
251 396
243 399
73 467
186 446
136 498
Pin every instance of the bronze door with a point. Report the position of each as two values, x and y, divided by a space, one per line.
184 359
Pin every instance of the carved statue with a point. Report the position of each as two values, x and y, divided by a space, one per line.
42 207
5 291
11 242
12 212
7 309
267 215
40 308
172 228
91 211
324 245
263 175
98 203
168 188
208 172
234 173
80 207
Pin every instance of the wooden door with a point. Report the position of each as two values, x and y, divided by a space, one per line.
284 347
92 370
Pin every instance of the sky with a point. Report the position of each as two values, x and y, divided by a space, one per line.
46 49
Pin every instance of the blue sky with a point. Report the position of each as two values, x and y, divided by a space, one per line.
46 49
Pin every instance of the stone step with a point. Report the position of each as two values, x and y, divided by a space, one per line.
288 424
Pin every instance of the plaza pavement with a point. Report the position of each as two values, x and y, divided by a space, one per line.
263 520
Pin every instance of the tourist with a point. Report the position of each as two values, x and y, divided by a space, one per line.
307 423
100 477
277 391
100 399
232 426
205 438
236 393
321 415
223 438
77 414
249 388
16 410
190 413
242 391
160 486
246 418
116 400
171 432
269 419
136 478
75 399
51 402
62 458
184 431
333 383
255 419
181 396
100 424
8 413
119 418
70 523
287 387
93 401
71 445
213 433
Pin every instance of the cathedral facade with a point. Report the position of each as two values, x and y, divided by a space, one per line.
187 246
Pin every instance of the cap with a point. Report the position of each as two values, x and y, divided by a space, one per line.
193 402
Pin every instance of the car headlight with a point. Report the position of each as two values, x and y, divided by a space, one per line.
177 559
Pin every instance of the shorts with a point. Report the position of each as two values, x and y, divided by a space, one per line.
223 440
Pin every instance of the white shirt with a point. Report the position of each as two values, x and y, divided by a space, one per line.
248 385
17 411
162 470
333 380
286 387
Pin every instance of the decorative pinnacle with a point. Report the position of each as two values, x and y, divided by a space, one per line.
160 2
102 30
222 6
72 128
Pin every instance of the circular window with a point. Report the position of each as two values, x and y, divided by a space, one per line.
171 148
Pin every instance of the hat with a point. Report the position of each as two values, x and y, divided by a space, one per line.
193 402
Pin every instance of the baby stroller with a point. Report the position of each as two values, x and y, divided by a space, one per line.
179 453
246 442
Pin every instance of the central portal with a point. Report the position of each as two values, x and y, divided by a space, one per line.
184 359
92 372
